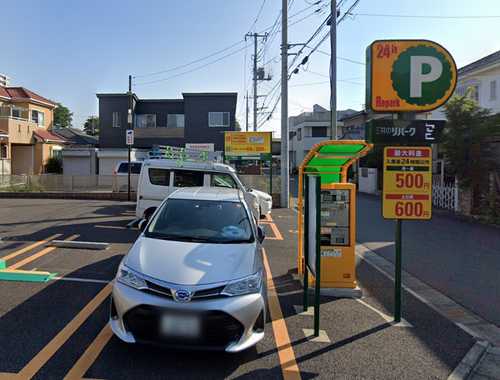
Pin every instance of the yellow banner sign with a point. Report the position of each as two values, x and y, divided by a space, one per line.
409 75
407 190
247 143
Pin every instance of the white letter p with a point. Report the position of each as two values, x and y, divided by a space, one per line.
417 77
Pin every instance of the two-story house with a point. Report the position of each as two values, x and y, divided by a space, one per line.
26 140
198 118
308 129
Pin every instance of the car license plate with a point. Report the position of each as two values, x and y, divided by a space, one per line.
181 326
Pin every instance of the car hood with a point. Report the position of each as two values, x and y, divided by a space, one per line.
186 263
261 194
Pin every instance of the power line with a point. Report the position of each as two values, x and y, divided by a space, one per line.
190 63
258 15
194 69
424 16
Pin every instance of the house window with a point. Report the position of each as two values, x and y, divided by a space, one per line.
145 121
37 117
116 120
461 91
175 120
16 112
299 134
3 151
319 131
474 94
493 90
218 119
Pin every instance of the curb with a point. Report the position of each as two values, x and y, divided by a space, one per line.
470 360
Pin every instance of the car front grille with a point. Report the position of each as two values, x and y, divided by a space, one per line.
218 329
166 292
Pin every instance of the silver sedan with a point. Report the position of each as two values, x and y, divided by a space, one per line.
194 277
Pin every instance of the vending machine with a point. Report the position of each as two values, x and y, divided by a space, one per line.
338 235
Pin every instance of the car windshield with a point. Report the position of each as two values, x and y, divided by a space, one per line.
218 222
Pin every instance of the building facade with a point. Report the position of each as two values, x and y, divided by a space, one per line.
198 118
26 140
482 77
308 129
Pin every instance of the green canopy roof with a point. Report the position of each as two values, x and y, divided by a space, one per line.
331 159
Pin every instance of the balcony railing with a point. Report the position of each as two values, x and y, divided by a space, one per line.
14 113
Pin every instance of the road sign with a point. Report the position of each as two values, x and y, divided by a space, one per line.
129 140
387 131
408 75
407 190
247 143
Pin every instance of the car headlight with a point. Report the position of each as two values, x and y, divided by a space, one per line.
246 285
127 277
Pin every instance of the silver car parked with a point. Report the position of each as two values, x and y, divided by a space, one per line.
194 277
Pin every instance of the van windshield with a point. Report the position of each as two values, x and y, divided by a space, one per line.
218 222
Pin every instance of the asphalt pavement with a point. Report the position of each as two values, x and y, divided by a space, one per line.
59 328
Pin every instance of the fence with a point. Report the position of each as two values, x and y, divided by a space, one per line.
66 183
261 182
445 195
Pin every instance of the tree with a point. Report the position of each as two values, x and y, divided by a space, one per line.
237 126
91 126
467 155
62 116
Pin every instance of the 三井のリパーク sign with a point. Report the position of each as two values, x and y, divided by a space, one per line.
408 75
407 190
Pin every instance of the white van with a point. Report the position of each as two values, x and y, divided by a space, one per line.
160 177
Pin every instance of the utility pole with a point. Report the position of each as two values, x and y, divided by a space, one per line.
246 125
129 127
255 96
285 178
333 71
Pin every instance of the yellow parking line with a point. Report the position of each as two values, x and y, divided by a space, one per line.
90 355
29 247
286 355
37 255
56 343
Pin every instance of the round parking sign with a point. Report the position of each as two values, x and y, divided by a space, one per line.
409 75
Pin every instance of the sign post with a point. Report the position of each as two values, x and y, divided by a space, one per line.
407 194
312 249
129 140
405 77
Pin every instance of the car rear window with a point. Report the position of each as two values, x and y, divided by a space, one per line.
135 167
160 177
188 178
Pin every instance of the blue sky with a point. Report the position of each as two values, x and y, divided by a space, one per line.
70 50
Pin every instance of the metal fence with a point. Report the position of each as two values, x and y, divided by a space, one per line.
66 183
261 182
445 196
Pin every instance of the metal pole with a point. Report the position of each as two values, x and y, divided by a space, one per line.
333 71
397 274
246 125
255 82
306 245
317 185
129 121
285 172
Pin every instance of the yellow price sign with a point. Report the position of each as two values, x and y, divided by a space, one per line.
407 191
247 143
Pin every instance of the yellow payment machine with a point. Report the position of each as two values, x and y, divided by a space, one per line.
331 160
338 235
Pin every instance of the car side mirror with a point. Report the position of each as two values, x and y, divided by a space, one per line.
260 234
142 224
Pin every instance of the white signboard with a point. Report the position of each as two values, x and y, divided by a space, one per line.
130 137
312 223
206 147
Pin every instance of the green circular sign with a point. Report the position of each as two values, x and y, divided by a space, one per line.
421 75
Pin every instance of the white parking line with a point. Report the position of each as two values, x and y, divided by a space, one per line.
78 279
